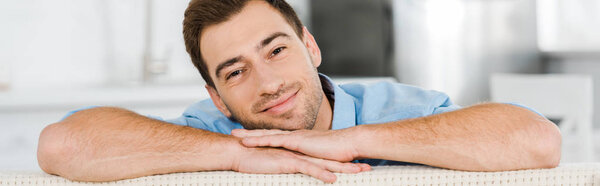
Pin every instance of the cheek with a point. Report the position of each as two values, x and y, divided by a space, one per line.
242 98
296 64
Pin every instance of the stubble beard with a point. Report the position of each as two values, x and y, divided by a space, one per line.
306 120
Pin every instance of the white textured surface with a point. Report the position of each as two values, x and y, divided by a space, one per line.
566 174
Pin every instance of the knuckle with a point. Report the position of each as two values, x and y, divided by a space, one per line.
309 168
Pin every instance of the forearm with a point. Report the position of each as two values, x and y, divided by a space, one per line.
104 144
485 137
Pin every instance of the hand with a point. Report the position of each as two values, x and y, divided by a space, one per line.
271 160
332 144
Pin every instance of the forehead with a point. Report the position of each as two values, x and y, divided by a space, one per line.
241 33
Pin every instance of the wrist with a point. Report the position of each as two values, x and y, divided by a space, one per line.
222 153
235 151
360 138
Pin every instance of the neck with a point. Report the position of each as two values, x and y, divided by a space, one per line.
324 116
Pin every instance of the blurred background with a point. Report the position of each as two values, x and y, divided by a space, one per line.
60 55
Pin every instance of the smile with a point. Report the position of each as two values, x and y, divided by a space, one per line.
281 105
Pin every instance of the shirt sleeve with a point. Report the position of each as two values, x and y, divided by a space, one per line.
177 121
189 121
386 101
204 115
222 125
442 103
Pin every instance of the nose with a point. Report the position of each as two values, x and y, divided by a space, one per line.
269 80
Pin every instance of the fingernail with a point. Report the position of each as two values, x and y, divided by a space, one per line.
246 140
366 167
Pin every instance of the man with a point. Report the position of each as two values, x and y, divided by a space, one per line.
259 64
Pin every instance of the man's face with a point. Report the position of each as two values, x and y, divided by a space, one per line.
265 76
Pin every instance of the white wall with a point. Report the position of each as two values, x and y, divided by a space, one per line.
568 31
571 25
44 43
74 43
454 45
581 66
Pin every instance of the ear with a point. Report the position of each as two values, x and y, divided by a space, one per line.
214 96
313 48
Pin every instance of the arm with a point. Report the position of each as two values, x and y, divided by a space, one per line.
486 137
105 144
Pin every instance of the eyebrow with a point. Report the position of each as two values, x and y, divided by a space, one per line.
237 59
269 39
227 63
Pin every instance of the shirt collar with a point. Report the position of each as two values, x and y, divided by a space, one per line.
344 110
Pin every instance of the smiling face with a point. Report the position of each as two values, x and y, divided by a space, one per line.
264 75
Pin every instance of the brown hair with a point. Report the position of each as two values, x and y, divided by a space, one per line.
203 13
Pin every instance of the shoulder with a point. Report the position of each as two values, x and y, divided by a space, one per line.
389 101
390 89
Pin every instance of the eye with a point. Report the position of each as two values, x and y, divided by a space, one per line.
233 74
277 51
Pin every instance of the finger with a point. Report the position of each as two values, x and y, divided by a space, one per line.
333 166
277 140
364 167
238 132
311 169
341 167
242 133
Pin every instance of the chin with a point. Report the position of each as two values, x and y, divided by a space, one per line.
289 125
300 126
281 124
292 120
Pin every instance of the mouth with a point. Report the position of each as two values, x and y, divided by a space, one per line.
281 105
